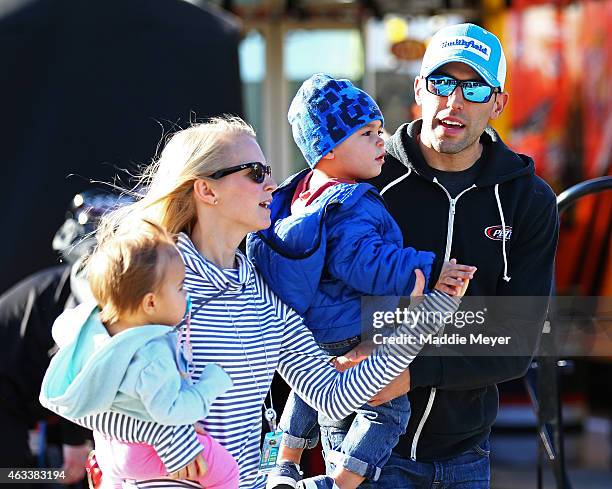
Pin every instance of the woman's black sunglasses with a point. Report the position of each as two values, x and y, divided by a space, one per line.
257 174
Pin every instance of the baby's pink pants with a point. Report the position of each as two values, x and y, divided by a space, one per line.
139 461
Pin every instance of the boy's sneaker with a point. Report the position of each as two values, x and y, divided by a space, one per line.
285 475
318 482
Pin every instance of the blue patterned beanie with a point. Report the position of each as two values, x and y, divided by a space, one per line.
326 111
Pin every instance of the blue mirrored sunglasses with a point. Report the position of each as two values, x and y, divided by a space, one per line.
257 174
473 91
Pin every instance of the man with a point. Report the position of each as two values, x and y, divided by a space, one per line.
455 188
27 312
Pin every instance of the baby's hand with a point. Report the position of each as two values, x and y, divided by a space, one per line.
193 470
454 278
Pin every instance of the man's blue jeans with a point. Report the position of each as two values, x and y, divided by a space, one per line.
469 470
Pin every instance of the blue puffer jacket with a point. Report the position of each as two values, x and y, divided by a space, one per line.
321 263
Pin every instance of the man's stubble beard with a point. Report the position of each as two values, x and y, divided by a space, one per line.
453 147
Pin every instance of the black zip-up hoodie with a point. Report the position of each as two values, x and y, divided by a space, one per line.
454 398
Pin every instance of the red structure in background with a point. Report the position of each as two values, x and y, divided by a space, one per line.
560 112
559 71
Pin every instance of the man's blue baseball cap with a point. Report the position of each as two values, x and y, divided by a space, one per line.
469 44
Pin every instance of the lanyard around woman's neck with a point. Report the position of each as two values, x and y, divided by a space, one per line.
269 412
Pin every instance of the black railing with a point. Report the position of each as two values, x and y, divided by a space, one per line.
546 395
572 194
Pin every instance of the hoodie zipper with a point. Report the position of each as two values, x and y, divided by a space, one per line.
447 251
451 216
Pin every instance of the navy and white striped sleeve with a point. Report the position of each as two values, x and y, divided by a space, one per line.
175 445
306 369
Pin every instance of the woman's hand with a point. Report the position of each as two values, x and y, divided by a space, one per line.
199 428
364 350
193 470
353 357
419 284
454 278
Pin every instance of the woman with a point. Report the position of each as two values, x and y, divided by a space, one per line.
211 186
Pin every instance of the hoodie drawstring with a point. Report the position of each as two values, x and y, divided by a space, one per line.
186 333
506 277
186 348
503 222
396 181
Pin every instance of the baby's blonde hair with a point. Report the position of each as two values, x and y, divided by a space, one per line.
126 266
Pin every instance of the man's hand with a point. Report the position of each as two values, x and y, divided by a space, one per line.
75 457
453 278
192 471
397 387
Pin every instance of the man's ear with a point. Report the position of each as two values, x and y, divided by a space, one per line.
148 303
205 192
499 103
419 86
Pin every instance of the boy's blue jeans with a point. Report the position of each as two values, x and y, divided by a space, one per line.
367 444
468 470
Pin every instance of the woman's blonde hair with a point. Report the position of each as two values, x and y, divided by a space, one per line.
123 268
167 184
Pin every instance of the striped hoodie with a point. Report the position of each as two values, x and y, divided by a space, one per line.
240 324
